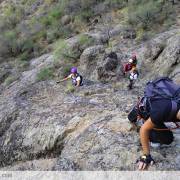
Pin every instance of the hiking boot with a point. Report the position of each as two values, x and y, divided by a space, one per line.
129 86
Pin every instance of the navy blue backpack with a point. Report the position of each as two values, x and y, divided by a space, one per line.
161 88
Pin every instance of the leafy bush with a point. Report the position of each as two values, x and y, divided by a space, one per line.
56 12
22 65
27 45
84 11
10 79
86 14
146 14
69 54
61 49
64 52
52 35
53 15
45 73
85 40
24 56
13 14
30 38
169 22
46 21
116 3
10 43
79 25
143 35
69 88
41 35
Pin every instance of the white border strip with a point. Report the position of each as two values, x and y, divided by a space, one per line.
89 175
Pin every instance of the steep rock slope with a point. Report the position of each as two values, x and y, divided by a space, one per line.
45 128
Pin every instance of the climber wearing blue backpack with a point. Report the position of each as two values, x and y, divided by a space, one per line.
160 104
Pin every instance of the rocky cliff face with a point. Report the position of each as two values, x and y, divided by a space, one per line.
45 128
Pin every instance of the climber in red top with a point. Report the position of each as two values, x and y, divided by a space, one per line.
132 62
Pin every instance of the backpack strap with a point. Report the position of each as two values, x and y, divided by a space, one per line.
177 95
160 79
173 110
81 79
175 104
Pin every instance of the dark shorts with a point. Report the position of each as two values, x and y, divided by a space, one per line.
162 137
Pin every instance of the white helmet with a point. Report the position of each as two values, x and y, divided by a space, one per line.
130 61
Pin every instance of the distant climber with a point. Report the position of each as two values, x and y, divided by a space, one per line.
160 104
77 79
132 63
127 67
134 60
133 77
131 70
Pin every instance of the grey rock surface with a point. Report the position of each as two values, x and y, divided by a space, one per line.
45 128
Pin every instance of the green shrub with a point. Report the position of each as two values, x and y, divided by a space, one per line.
49 2
22 65
63 52
169 22
116 3
53 15
144 15
143 35
41 35
56 12
62 31
79 25
13 14
28 2
85 40
147 14
69 88
86 14
10 42
24 56
53 29
27 45
65 31
52 35
10 79
44 74
46 21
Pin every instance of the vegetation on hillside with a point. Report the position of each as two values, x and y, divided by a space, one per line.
28 27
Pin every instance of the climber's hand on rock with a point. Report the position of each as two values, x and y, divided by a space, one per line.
144 162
